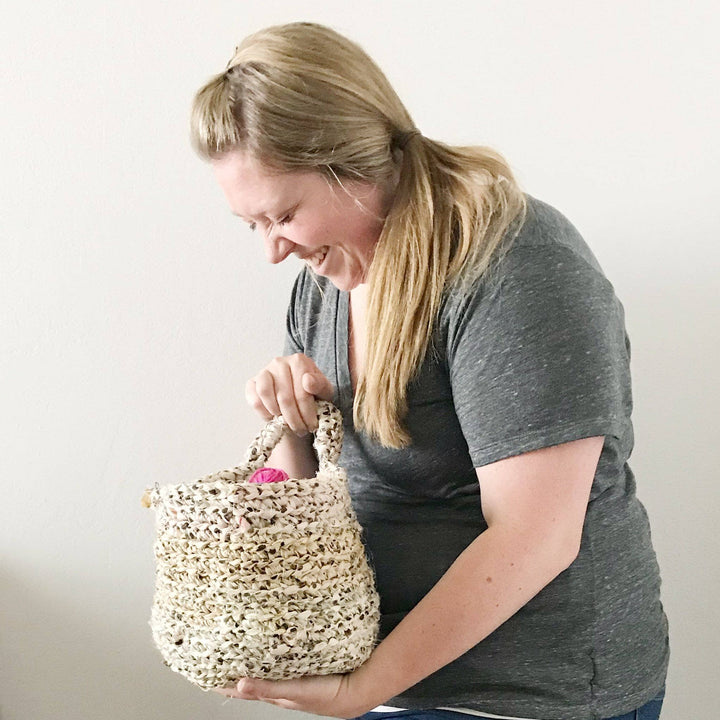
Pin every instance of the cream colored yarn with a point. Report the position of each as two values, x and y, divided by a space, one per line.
263 580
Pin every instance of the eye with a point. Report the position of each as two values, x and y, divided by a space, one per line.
285 220
252 226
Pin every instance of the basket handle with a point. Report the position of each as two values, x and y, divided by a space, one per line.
327 441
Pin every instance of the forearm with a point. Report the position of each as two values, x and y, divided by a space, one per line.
295 455
488 583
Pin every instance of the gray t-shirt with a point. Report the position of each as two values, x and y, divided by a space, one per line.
535 356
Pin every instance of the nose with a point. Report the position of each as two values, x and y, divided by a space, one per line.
277 248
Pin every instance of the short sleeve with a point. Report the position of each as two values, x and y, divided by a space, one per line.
293 336
539 358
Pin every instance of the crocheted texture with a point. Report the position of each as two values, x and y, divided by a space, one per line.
263 579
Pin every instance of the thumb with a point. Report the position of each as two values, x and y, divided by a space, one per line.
318 385
250 688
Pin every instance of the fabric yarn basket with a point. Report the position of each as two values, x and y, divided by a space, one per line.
264 580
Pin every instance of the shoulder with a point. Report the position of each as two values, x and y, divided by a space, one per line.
546 238
546 227
547 271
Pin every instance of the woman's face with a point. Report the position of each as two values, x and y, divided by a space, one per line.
333 228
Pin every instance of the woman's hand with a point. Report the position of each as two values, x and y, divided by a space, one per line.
329 695
288 386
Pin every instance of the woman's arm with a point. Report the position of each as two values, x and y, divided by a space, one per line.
295 455
535 506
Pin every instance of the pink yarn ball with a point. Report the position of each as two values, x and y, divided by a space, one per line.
268 475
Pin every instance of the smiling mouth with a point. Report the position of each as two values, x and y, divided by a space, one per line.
316 260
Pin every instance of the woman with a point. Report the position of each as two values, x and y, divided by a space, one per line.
480 360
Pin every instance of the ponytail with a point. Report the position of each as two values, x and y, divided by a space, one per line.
453 207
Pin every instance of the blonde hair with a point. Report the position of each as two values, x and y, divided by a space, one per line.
301 97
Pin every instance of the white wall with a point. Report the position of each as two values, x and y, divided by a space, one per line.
134 306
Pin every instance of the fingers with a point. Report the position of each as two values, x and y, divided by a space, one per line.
318 386
288 386
273 691
325 695
232 693
253 399
282 693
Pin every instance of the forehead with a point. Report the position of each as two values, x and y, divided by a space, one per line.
254 190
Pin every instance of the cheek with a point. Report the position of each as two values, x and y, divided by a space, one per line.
317 233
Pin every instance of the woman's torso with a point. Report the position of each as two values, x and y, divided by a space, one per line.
540 358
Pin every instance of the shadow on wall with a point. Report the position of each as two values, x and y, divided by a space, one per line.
88 654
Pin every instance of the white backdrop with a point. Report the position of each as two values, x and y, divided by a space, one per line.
134 307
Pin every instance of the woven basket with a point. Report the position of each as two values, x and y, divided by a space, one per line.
263 580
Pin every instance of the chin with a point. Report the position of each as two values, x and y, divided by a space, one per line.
343 285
